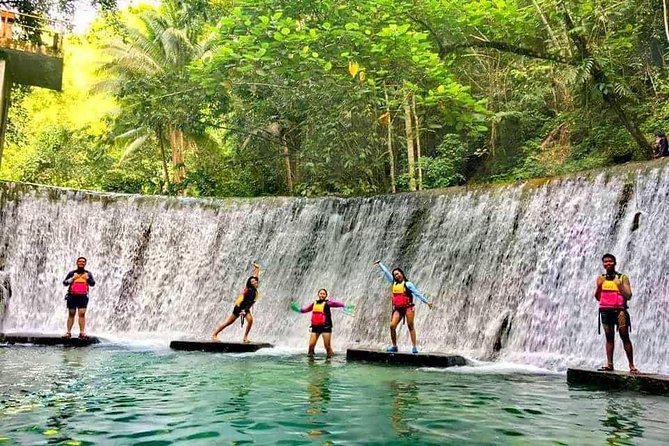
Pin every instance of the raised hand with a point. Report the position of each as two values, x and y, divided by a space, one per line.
295 306
349 310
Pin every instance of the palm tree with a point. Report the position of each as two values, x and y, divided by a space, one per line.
155 56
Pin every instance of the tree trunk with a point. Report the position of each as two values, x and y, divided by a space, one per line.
666 20
391 157
289 173
166 172
411 153
178 148
418 154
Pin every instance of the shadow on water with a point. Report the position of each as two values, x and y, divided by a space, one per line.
404 395
621 421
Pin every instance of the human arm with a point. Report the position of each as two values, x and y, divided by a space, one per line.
599 281
256 269
68 279
307 308
386 273
415 292
90 280
625 287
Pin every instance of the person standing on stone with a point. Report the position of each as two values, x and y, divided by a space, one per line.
613 292
243 304
78 283
321 319
403 292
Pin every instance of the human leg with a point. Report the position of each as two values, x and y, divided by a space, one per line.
394 321
82 322
228 321
623 331
71 312
249 324
410 325
312 343
327 337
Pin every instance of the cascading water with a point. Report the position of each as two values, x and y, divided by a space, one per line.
510 269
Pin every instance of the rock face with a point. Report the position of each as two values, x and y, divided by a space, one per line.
5 294
645 382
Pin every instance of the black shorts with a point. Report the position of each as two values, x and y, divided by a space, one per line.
321 329
621 318
75 301
402 311
237 311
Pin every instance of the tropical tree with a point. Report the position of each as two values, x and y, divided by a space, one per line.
159 101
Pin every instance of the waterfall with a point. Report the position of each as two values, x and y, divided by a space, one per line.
511 269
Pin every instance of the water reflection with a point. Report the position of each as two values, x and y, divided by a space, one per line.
621 421
404 396
318 387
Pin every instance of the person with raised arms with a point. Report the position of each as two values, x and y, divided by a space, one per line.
321 319
243 304
402 293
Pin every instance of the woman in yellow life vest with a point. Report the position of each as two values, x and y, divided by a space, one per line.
321 319
613 292
243 304
402 292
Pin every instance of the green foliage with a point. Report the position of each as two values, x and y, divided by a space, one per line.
445 169
292 97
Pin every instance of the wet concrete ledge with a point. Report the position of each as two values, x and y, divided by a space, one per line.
419 359
46 339
644 382
218 347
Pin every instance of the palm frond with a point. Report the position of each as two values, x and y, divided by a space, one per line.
134 145
178 49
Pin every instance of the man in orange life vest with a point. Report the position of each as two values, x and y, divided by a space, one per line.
78 282
613 291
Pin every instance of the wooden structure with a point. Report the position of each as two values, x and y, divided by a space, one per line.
30 54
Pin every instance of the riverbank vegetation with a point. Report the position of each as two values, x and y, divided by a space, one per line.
294 97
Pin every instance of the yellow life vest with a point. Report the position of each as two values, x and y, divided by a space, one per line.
610 296
79 285
401 298
318 315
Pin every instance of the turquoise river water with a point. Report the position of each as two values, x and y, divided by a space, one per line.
121 395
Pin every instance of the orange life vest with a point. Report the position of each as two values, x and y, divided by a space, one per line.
79 285
610 297
318 316
401 297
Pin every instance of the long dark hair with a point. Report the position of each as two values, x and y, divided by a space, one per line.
250 291
404 276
